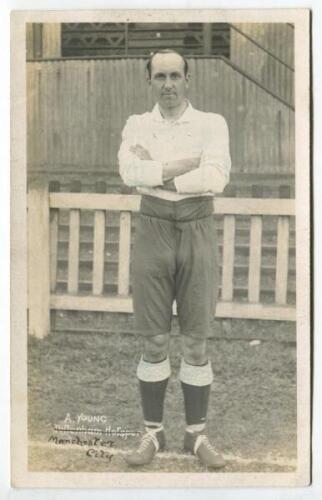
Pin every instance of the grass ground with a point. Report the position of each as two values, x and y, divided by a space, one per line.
252 414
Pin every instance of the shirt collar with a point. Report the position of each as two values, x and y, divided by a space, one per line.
186 116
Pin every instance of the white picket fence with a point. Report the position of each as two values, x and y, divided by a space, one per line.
43 223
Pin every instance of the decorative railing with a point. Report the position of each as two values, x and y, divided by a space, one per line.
43 230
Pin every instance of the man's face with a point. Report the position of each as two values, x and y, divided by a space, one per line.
168 81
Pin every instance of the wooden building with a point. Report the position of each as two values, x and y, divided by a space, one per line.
85 79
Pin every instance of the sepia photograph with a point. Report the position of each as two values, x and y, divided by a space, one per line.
161 174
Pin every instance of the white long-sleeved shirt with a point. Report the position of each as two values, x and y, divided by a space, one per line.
194 134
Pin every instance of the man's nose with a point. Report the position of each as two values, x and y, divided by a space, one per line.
168 82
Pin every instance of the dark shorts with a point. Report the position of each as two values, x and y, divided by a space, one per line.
175 258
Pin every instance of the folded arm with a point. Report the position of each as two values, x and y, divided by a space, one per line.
210 173
215 163
170 169
133 170
137 168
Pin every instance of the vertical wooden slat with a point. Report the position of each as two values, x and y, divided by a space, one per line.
228 258
73 251
124 253
38 137
30 115
98 257
54 213
255 252
29 40
48 81
207 38
37 37
282 260
51 39
38 260
92 99
57 115
126 34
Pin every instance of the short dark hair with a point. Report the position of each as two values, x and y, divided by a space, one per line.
166 51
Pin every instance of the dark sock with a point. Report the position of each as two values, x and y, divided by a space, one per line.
196 400
152 399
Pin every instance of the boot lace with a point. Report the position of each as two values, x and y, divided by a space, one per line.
204 440
148 438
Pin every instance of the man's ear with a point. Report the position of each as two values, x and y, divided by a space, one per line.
187 78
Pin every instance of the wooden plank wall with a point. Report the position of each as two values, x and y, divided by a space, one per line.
77 109
276 38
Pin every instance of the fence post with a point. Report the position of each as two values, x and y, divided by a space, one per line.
228 251
123 285
38 259
282 251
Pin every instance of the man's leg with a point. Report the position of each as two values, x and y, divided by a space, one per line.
197 287
153 373
196 377
153 269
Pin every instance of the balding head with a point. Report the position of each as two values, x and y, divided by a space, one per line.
166 55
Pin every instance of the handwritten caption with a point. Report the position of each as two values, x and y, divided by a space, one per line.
100 445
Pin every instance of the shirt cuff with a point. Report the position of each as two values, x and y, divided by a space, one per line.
201 180
191 182
178 184
143 173
152 173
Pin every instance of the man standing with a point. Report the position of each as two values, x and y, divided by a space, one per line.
178 158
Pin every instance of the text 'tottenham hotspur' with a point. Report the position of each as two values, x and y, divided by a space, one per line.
80 425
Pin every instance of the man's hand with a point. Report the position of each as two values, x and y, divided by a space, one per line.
169 186
174 168
140 152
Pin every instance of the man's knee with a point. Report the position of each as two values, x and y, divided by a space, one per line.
156 348
195 350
